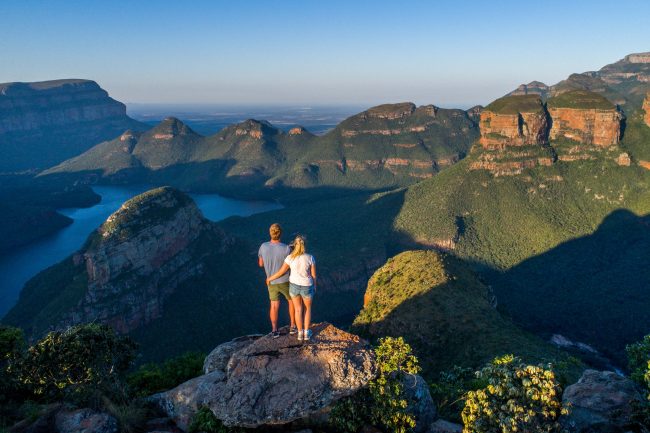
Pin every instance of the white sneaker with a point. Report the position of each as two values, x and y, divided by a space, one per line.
306 335
301 335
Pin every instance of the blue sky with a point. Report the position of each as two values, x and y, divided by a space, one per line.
456 53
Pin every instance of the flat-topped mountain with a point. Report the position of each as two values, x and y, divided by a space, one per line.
46 122
385 146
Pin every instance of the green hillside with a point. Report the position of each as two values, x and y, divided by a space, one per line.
499 222
386 146
445 312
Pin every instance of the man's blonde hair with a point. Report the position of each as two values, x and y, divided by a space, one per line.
275 231
298 247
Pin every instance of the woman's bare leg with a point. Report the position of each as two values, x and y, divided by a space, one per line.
307 302
297 307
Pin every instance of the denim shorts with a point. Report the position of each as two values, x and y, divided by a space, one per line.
305 291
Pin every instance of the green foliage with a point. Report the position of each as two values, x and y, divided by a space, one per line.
580 99
449 390
517 398
11 347
382 404
638 355
440 302
78 364
516 104
152 378
205 421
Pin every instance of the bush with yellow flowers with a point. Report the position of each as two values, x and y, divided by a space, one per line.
517 398
382 404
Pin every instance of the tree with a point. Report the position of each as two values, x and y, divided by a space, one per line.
81 362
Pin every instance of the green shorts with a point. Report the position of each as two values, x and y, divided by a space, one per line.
276 289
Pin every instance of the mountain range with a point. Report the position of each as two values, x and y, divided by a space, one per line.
384 147
543 203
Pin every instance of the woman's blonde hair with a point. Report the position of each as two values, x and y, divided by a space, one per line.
298 247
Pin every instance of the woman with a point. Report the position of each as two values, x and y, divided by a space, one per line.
302 284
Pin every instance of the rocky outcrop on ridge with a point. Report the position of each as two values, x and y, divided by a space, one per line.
73 114
265 381
532 88
148 240
127 269
514 132
586 118
601 401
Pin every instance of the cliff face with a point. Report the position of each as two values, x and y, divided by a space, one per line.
521 129
646 109
589 126
47 122
514 130
30 106
138 257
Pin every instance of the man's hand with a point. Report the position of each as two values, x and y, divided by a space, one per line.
268 282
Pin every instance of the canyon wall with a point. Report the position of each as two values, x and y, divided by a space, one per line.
589 126
646 109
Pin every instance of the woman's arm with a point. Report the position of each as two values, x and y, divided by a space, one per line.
313 274
283 270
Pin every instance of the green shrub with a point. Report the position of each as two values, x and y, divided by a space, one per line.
448 393
638 356
83 362
205 421
152 378
382 403
11 348
517 398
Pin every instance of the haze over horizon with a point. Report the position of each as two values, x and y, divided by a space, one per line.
332 53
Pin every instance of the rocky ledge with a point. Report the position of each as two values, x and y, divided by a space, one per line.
258 381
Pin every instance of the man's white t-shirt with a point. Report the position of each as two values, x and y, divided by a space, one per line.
301 269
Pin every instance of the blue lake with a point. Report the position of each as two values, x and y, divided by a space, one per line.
18 266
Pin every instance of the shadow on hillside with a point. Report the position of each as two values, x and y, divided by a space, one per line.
594 289
214 177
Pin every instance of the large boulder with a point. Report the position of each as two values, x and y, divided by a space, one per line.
601 401
218 359
274 381
420 403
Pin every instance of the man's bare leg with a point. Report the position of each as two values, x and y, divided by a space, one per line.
273 314
292 313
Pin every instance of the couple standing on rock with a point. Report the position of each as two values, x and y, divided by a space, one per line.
297 287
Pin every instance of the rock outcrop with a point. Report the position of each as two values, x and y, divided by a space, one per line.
147 241
646 109
585 117
514 121
266 381
73 114
532 88
601 401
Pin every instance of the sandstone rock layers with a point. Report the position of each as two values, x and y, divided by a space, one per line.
29 106
516 129
265 381
646 109
138 257
591 126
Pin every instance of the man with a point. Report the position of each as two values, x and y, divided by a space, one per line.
271 257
